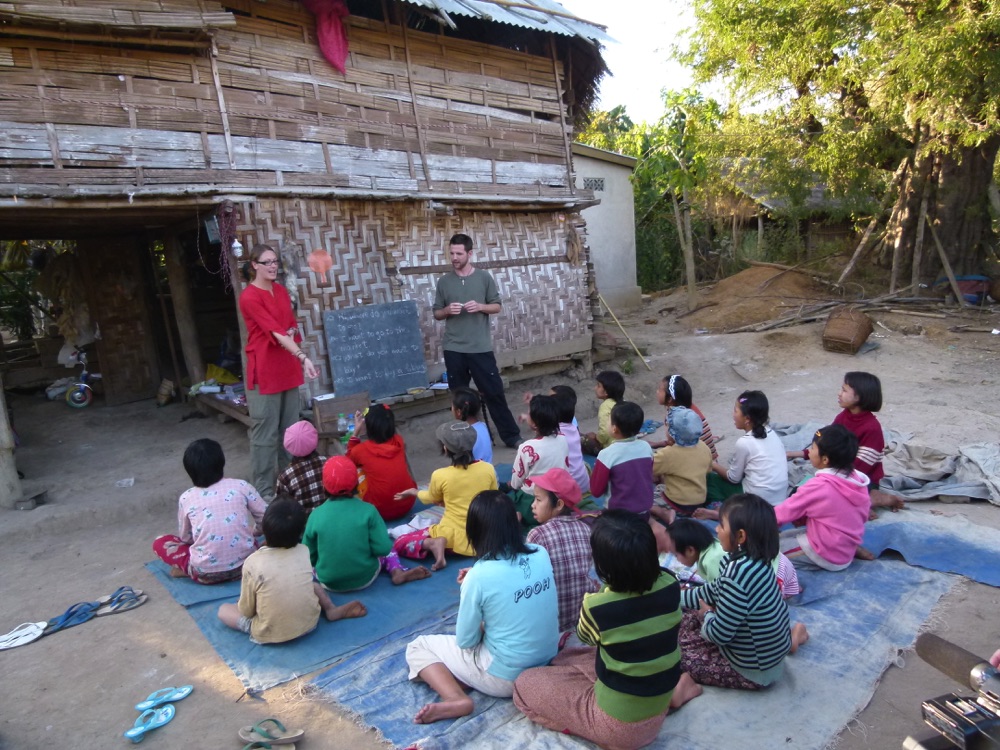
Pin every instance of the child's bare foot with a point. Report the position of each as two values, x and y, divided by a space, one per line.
436 546
704 514
799 636
862 554
687 689
667 514
345 611
885 500
176 572
450 709
400 576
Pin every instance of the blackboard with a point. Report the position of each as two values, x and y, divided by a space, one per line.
375 348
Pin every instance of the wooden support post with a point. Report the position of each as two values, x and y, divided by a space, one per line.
10 485
223 109
896 179
421 138
959 299
918 246
638 353
180 295
562 116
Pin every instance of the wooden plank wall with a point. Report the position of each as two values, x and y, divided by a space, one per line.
386 251
456 118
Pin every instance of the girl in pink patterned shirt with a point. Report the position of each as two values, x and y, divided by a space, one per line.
218 520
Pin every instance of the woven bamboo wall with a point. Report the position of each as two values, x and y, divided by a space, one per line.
416 113
385 251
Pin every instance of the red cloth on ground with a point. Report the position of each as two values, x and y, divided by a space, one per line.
330 31
270 368
386 473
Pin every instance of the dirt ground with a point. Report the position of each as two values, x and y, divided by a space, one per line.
77 688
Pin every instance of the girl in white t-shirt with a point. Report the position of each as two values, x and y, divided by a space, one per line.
547 450
758 465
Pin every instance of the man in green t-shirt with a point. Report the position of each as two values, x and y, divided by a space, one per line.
464 301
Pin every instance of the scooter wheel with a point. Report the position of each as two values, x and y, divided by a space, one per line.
78 397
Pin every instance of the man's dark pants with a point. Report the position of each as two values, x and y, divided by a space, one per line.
482 368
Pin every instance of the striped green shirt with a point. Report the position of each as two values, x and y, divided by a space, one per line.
638 657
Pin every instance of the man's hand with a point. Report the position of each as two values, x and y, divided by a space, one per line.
472 306
455 308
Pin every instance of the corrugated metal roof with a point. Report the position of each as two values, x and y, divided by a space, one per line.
543 15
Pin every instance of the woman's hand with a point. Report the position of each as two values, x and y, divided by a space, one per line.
359 423
309 369
704 608
461 575
405 494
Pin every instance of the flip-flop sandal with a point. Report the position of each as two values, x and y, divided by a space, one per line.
75 615
150 720
23 634
119 592
165 695
123 603
261 745
276 736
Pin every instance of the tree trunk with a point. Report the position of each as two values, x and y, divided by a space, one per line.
682 215
957 186
10 484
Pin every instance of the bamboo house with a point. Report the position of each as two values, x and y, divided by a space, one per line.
355 137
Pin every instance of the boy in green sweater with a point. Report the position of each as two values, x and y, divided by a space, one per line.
347 539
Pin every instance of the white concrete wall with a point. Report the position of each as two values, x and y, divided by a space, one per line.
611 231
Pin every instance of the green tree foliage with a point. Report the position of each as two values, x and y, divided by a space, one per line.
848 90
671 172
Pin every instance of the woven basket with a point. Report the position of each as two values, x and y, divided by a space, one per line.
846 330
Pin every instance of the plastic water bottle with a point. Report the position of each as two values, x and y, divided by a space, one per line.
342 427
350 425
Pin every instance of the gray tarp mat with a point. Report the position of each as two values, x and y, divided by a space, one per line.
913 471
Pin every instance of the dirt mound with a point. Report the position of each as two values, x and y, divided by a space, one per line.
755 295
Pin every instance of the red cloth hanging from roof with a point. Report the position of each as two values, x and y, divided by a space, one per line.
330 29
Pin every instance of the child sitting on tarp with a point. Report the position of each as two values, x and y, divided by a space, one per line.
565 535
610 390
693 545
279 601
625 468
217 520
547 450
565 398
453 487
383 469
833 505
302 479
682 467
347 539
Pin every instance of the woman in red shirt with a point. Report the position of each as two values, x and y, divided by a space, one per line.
275 366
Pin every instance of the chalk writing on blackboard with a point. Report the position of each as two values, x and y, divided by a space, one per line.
375 348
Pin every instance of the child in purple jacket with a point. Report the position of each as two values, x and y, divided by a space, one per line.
626 466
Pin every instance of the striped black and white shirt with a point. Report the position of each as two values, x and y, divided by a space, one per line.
750 623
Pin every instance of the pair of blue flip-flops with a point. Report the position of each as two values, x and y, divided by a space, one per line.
157 710
123 599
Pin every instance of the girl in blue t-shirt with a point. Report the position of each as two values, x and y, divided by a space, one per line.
507 616
466 406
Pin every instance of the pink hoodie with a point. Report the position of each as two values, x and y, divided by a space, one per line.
834 508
